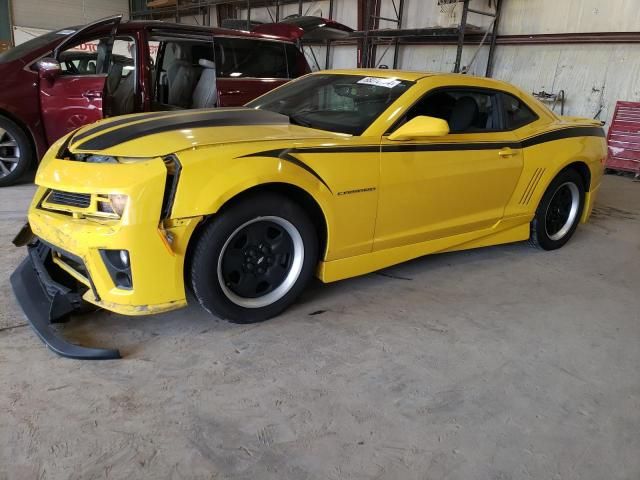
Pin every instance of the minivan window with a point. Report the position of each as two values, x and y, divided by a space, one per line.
250 58
179 70
295 61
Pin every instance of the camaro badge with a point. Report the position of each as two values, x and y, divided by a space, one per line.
359 190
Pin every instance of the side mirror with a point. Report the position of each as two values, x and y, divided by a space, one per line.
49 68
421 127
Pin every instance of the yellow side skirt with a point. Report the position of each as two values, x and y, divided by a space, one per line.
509 230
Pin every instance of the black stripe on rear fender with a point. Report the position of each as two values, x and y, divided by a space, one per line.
570 132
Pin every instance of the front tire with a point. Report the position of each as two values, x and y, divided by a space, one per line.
16 152
252 260
559 211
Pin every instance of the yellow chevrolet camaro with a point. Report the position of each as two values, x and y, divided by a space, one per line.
336 174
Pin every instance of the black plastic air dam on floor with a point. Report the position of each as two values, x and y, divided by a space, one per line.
37 305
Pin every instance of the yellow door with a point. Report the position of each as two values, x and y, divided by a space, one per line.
444 186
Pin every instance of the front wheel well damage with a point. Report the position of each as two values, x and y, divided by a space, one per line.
297 194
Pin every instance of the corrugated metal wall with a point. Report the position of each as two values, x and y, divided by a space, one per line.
569 16
55 14
594 77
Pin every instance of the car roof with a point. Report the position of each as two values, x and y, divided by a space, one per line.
414 76
139 24
379 72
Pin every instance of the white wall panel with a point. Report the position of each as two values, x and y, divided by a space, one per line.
427 13
593 76
56 14
344 56
439 58
569 16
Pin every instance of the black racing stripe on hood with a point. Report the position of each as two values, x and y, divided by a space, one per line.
139 117
202 119
115 123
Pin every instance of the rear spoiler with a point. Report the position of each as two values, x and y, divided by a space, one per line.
589 121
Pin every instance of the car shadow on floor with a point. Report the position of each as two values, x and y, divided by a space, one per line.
131 334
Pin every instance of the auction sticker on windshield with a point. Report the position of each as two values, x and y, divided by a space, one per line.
380 82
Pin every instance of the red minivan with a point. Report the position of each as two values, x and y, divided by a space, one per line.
62 80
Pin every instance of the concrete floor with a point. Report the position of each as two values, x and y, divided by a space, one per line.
500 363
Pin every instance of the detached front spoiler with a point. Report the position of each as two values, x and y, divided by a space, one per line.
45 301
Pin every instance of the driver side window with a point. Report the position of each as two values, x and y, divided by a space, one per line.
87 58
466 111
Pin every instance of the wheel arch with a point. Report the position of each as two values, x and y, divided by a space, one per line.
300 196
583 170
25 128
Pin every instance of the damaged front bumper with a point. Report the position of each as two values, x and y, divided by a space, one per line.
130 262
47 297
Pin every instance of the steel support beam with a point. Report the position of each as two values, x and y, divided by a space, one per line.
327 56
494 39
396 48
463 26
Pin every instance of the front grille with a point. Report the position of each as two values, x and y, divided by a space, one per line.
80 200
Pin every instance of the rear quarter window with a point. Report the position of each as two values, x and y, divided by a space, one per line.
295 59
517 114
250 58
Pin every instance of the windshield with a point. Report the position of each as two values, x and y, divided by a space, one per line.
338 103
32 45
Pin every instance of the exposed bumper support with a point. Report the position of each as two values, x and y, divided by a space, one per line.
45 301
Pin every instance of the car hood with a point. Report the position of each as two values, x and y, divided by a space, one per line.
162 133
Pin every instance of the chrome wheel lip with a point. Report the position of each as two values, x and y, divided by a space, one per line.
8 163
573 211
289 281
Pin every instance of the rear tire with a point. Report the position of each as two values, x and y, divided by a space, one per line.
16 152
252 260
559 211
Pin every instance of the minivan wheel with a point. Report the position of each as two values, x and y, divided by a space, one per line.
16 152
252 260
559 212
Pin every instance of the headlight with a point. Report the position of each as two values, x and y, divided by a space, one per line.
116 204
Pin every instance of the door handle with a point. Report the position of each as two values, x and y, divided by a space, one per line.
230 92
92 94
506 152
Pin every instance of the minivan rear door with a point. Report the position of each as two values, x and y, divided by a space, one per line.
75 98
305 28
